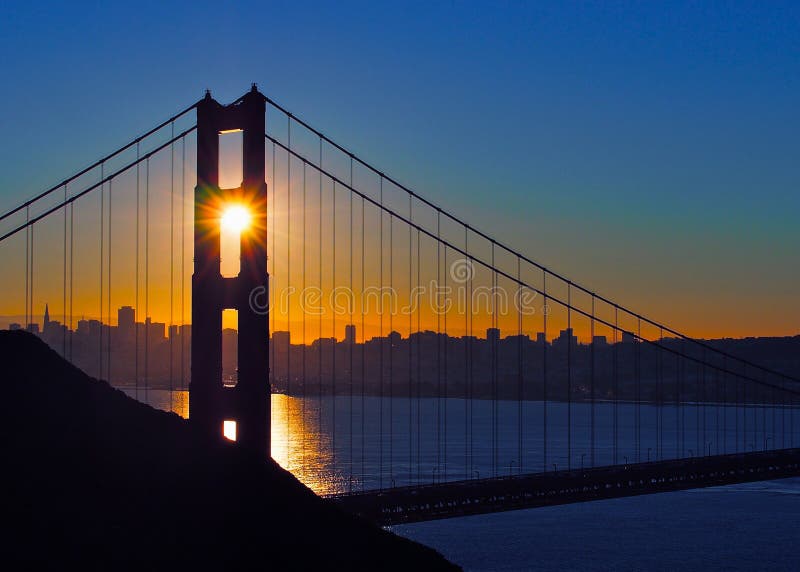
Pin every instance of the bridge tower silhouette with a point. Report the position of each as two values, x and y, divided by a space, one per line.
247 404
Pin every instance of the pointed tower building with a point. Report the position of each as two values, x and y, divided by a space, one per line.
46 325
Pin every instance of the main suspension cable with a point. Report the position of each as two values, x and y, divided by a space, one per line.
98 163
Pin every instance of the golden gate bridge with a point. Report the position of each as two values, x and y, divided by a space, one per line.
388 353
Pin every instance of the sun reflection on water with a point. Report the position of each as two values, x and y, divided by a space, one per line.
299 446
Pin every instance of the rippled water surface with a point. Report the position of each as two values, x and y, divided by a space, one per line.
753 526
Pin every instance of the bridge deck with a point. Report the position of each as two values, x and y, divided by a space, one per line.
479 496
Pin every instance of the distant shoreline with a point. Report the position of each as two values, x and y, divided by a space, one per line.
581 400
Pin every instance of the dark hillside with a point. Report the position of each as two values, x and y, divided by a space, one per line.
95 479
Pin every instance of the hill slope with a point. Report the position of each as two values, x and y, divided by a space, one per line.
97 479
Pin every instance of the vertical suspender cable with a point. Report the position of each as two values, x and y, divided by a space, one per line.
288 285
470 351
569 376
321 284
737 412
445 380
703 399
137 314
419 360
744 407
438 351
27 266
616 384
772 401
467 392
758 405
391 350
32 274
304 341
102 234
754 401
788 402
519 365
363 345
381 336
333 329
717 378
763 411
783 418
678 404
750 404
71 275
725 405
682 396
171 265
660 400
147 279
352 342
108 265
592 388
183 256
639 391
410 326
685 396
272 256
545 311
64 282
697 413
494 348
411 294
763 407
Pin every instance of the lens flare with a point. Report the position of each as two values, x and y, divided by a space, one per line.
235 218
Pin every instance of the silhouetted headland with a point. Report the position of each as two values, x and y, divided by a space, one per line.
96 479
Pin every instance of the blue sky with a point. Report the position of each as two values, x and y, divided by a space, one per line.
648 150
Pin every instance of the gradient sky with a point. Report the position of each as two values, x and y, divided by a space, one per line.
648 151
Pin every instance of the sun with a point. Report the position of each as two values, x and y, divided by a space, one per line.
236 218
